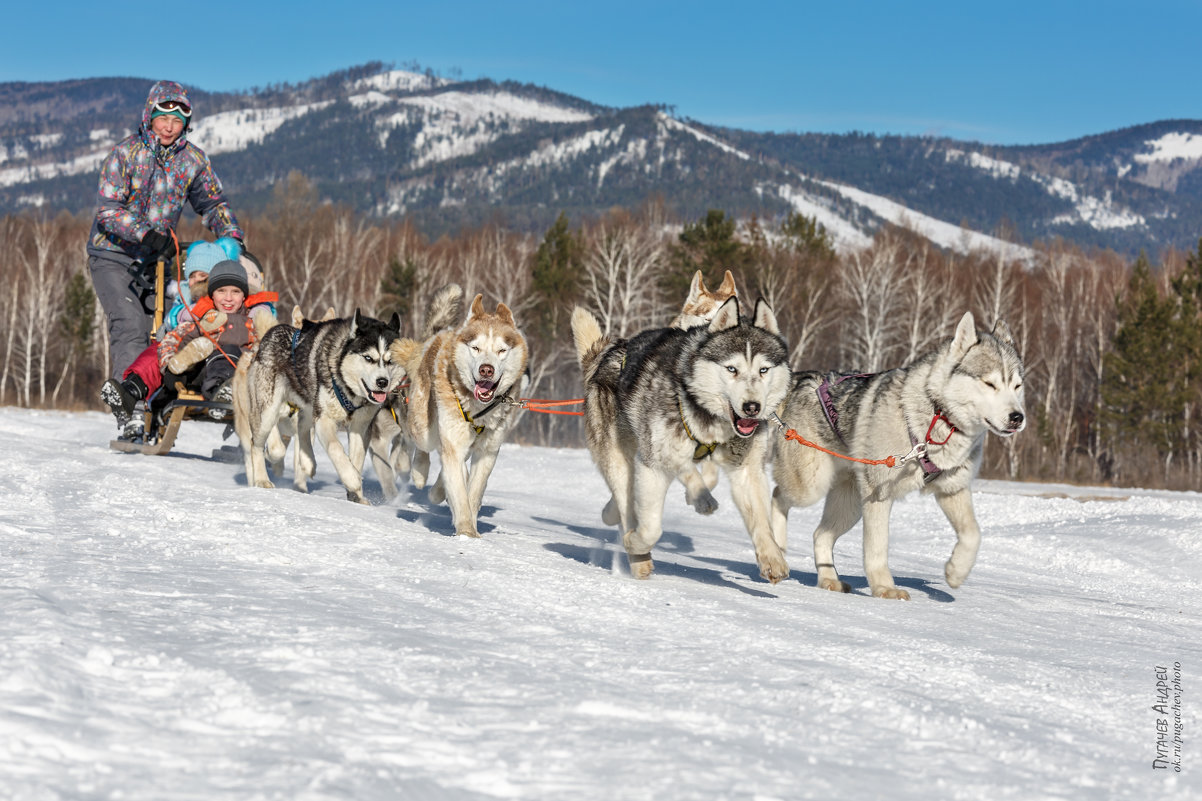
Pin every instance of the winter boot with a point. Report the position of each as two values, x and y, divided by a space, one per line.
134 429
224 394
121 396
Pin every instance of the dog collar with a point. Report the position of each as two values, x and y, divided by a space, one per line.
703 449
346 404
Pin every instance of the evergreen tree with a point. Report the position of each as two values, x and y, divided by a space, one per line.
1142 401
807 237
397 288
77 318
556 277
709 245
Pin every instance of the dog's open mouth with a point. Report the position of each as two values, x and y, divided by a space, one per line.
744 426
376 395
484 390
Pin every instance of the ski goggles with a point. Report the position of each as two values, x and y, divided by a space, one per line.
173 107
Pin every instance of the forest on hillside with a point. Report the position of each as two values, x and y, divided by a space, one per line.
1112 346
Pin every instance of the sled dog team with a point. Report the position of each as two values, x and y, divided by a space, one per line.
712 390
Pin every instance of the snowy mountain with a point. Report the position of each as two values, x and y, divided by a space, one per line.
452 153
170 633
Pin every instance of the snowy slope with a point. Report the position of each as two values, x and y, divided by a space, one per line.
170 633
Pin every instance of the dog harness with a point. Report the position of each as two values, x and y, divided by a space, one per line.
930 469
703 449
347 406
828 403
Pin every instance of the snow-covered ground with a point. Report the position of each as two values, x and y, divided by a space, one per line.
169 633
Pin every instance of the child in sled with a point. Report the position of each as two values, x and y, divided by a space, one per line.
204 353
143 377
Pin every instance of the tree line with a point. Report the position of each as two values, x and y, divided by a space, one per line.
1113 348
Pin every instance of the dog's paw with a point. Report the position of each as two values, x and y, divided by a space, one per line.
357 497
641 565
609 515
264 483
437 493
834 585
774 569
301 485
468 532
705 503
892 593
954 576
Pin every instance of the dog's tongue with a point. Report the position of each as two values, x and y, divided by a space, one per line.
746 425
379 397
484 390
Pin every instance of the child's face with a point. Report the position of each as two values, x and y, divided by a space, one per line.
167 127
196 279
228 298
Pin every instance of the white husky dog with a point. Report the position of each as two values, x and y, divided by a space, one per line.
941 405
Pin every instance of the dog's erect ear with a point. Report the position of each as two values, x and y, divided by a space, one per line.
505 314
1002 331
355 322
764 318
298 317
727 316
477 307
728 285
394 323
966 335
696 287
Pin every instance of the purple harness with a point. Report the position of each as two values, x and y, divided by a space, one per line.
828 403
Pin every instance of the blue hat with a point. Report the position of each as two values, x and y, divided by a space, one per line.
202 256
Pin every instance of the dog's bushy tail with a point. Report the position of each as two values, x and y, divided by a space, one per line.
586 333
443 311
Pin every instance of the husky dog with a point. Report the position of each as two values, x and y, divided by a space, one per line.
459 382
669 397
937 408
336 373
699 308
277 440
388 444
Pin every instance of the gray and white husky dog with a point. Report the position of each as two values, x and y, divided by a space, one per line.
669 397
935 410
337 373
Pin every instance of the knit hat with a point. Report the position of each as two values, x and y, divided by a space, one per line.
202 256
227 273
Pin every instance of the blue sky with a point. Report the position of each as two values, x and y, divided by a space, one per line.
1012 73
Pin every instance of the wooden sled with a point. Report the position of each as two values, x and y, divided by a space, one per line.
162 425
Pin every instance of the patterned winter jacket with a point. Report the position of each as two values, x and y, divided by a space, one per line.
143 185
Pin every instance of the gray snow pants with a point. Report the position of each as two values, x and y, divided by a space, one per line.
130 311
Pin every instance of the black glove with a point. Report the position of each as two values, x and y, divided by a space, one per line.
158 244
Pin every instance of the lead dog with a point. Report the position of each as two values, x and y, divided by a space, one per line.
667 398
459 382
944 403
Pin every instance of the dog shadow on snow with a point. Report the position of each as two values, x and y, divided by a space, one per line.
437 517
607 550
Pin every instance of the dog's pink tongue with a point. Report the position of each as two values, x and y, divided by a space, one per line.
379 397
746 425
484 390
